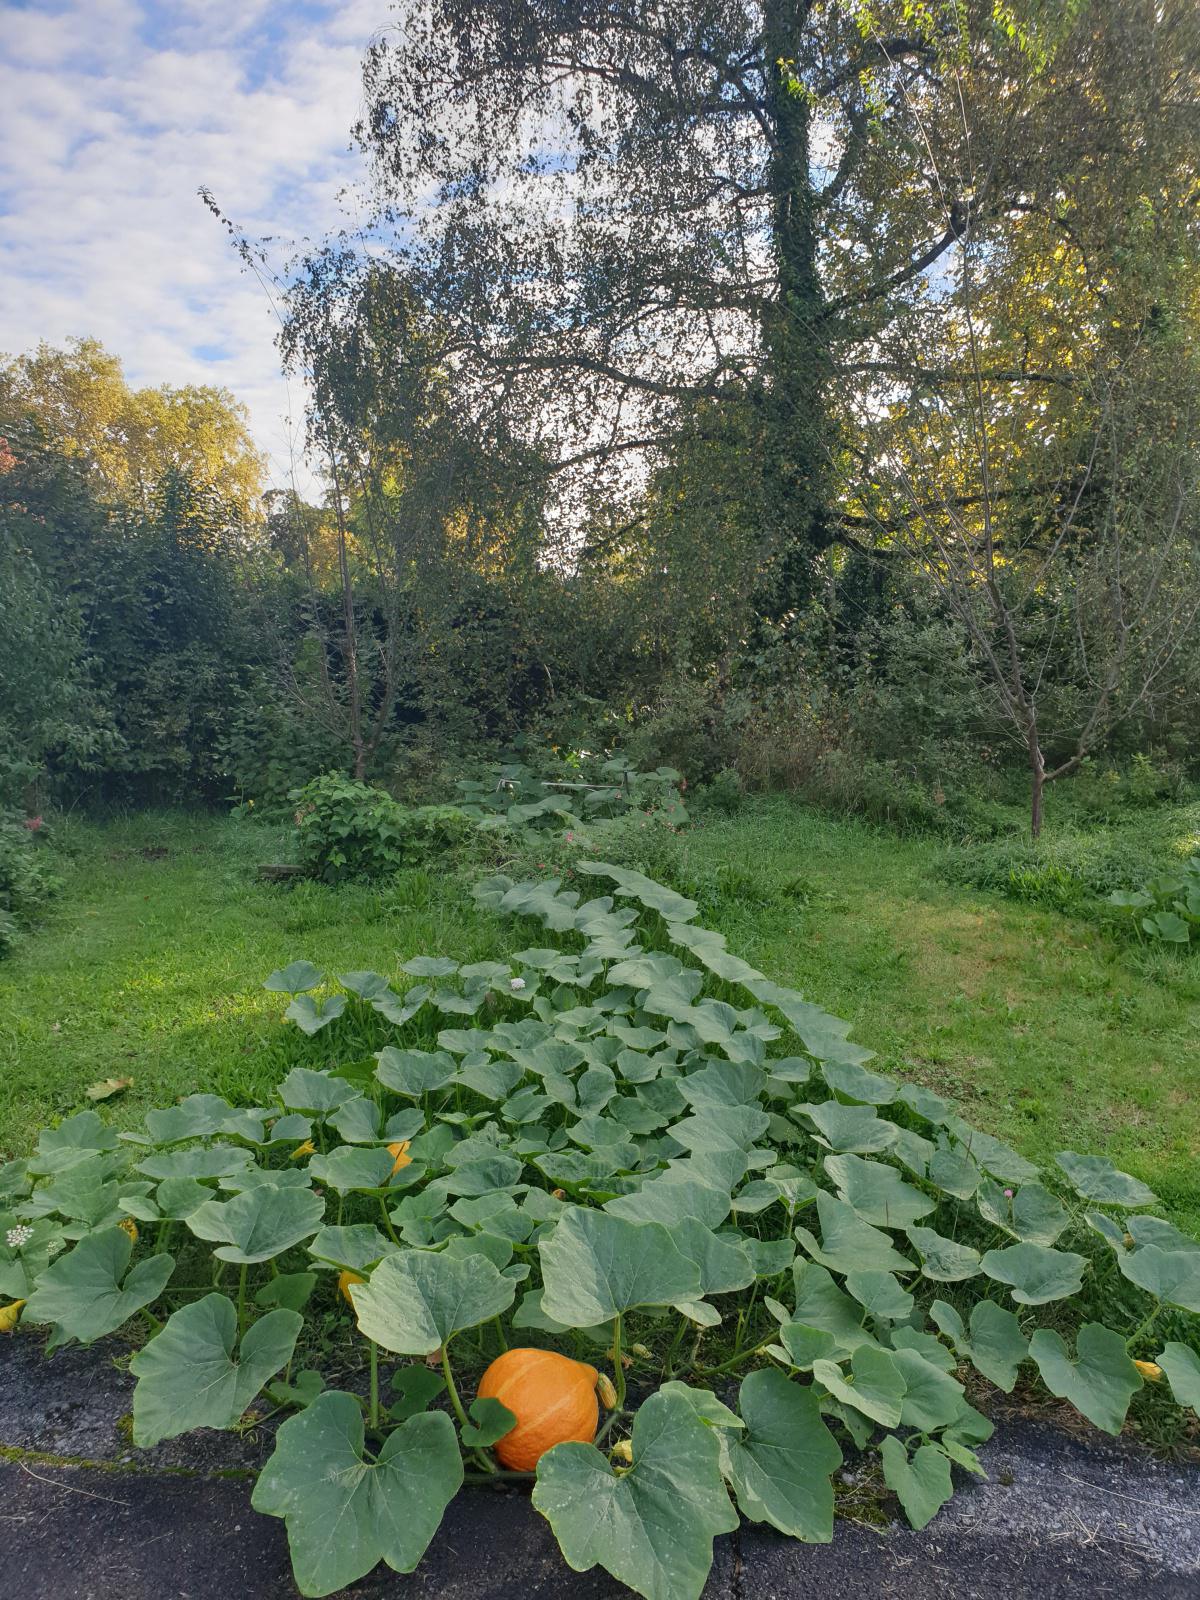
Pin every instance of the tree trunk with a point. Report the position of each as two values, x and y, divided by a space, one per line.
794 327
1037 784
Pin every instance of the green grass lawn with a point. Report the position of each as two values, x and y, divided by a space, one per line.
1046 1031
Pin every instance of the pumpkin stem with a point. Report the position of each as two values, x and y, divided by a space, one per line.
374 1349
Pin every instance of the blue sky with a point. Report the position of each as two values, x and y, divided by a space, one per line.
112 114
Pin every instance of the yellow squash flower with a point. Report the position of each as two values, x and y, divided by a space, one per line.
1150 1370
345 1279
9 1316
308 1148
403 1159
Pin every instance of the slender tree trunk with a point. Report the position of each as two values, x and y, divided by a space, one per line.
1037 783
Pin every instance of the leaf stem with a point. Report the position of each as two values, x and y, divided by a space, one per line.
241 1303
746 1355
374 1349
1143 1325
618 1364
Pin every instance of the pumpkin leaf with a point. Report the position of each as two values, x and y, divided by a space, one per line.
491 1421
1182 1367
298 978
417 1300
344 1511
596 1266
781 1466
995 1345
877 1192
944 1260
1167 1274
88 1292
921 1482
1036 1274
651 1526
414 1072
414 1387
875 1385
306 1090
259 1223
310 1015
1101 1379
1097 1179
188 1377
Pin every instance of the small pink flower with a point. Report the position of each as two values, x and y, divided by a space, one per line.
570 836
1008 1194
34 823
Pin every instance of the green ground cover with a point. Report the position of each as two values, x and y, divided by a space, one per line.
1048 1031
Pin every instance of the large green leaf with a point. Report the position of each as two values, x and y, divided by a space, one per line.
875 1384
306 1090
932 1398
848 1243
848 1128
1097 1179
355 1168
596 1266
922 1482
188 1377
1101 1379
346 1512
1036 1274
781 1465
857 1083
89 1293
310 1015
1182 1367
995 1345
1032 1214
416 1300
670 1199
877 1191
942 1259
260 1223
1168 1274
414 1072
298 978
821 1304
651 1526
724 1265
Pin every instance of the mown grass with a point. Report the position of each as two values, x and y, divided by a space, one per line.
1048 1032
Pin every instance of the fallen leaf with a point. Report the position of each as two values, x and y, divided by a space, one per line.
107 1088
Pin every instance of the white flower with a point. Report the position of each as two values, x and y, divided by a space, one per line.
55 1245
516 984
16 1237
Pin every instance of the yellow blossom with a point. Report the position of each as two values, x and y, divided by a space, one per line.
308 1148
345 1279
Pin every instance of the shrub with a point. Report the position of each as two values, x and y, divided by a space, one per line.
1167 907
624 1145
351 830
27 878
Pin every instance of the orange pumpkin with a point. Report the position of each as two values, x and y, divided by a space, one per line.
552 1397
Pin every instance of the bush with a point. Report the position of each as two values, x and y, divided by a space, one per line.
1167 908
27 879
351 830
1075 866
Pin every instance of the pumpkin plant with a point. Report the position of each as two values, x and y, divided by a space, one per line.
622 1162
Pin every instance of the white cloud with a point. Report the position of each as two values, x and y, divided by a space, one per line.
112 115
